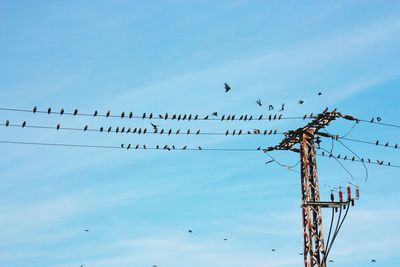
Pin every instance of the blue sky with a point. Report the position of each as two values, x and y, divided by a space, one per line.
174 56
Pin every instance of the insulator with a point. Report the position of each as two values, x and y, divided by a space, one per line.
357 192
340 195
348 192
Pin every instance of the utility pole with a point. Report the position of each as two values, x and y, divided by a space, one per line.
314 248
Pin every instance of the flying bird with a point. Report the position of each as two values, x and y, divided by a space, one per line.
190 231
282 108
373 261
273 250
259 102
154 126
300 102
225 239
215 114
227 87
270 107
87 230
319 93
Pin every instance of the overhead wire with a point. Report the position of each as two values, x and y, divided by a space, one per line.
144 130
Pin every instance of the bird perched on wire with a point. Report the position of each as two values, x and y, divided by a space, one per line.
95 113
85 128
122 115
34 109
7 123
108 114
48 110
130 115
62 111
24 124
259 102
75 112
227 87
379 119
58 127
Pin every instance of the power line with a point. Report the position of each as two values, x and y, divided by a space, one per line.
137 130
166 116
132 147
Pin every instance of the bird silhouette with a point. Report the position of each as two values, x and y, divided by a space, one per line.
270 107
190 231
62 111
260 118
109 129
137 146
117 129
122 115
129 146
227 87
75 112
196 117
300 102
130 115
154 126
151 116
23 124
108 114
166 116
199 147
273 250
330 261
215 114
85 128
223 117
174 116
225 239
319 93
58 127
178 131
379 119
373 261
206 117
7 123
144 116
95 113
48 110
198 131
184 148
123 130
282 108
34 109
101 129
259 102
87 230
